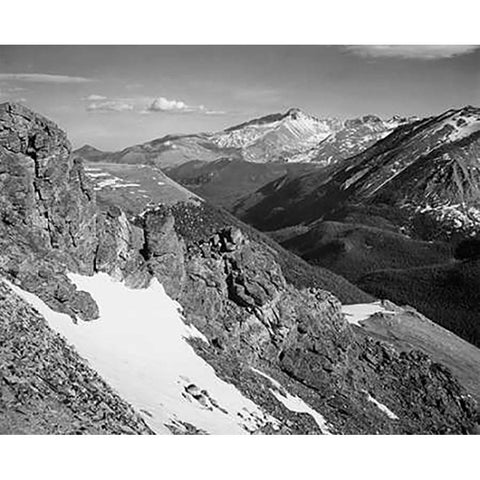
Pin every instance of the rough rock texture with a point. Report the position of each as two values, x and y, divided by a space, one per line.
45 387
49 218
42 188
234 290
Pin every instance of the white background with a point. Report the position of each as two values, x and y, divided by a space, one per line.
246 22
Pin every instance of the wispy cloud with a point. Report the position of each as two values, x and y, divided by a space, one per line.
9 92
144 105
419 52
95 98
42 78
164 105
102 105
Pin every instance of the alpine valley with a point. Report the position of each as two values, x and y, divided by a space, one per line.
288 275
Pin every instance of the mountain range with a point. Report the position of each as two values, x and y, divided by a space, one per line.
406 202
132 305
293 136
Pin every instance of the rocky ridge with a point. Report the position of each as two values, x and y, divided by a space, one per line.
427 171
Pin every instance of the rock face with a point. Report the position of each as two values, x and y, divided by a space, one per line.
248 299
42 188
49 216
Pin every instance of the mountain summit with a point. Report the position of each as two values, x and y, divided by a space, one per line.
427 167
292 136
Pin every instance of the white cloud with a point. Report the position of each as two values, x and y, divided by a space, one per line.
110 106
162 104
420 52
43 78
95 98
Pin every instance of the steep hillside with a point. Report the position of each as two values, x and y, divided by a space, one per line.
225 182
407 329
448 293
426 170
46 387
353 250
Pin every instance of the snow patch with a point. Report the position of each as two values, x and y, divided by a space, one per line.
382 407
138 345
354 314
109 182
125 185
294 403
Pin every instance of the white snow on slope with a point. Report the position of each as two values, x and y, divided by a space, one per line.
294 403
382 407
138 346
462 123
354 314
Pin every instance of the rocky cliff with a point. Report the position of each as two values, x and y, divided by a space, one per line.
50 222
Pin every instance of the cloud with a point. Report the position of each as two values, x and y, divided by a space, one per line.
419 52
164 105
8 92
95 98
144 105
42 78
110 106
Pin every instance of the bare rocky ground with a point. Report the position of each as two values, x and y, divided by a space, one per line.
408 329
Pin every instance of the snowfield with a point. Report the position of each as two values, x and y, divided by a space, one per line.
138 345
354 314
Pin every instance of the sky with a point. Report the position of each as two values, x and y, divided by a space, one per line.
112 97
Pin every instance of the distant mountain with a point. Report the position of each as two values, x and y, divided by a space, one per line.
426 171
293 136
402 204
91 153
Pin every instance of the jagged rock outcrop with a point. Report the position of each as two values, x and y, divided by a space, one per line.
118 249
43 188
49 218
